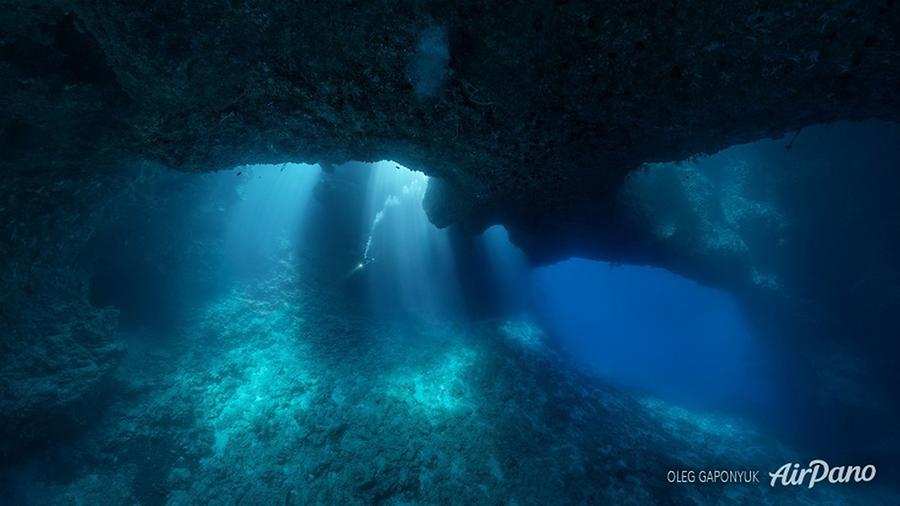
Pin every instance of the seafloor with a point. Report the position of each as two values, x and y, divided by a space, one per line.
279 392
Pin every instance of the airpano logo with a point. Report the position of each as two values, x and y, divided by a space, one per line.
818 471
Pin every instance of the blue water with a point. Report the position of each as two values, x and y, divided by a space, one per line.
269 214
646 328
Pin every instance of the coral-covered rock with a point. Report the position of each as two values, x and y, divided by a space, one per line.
57 356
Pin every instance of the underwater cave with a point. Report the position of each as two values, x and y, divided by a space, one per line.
265 252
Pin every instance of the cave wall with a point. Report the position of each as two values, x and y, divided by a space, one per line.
532 115
58 350
803 231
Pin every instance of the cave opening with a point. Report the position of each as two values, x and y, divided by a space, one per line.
648 329
360 231
186 238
